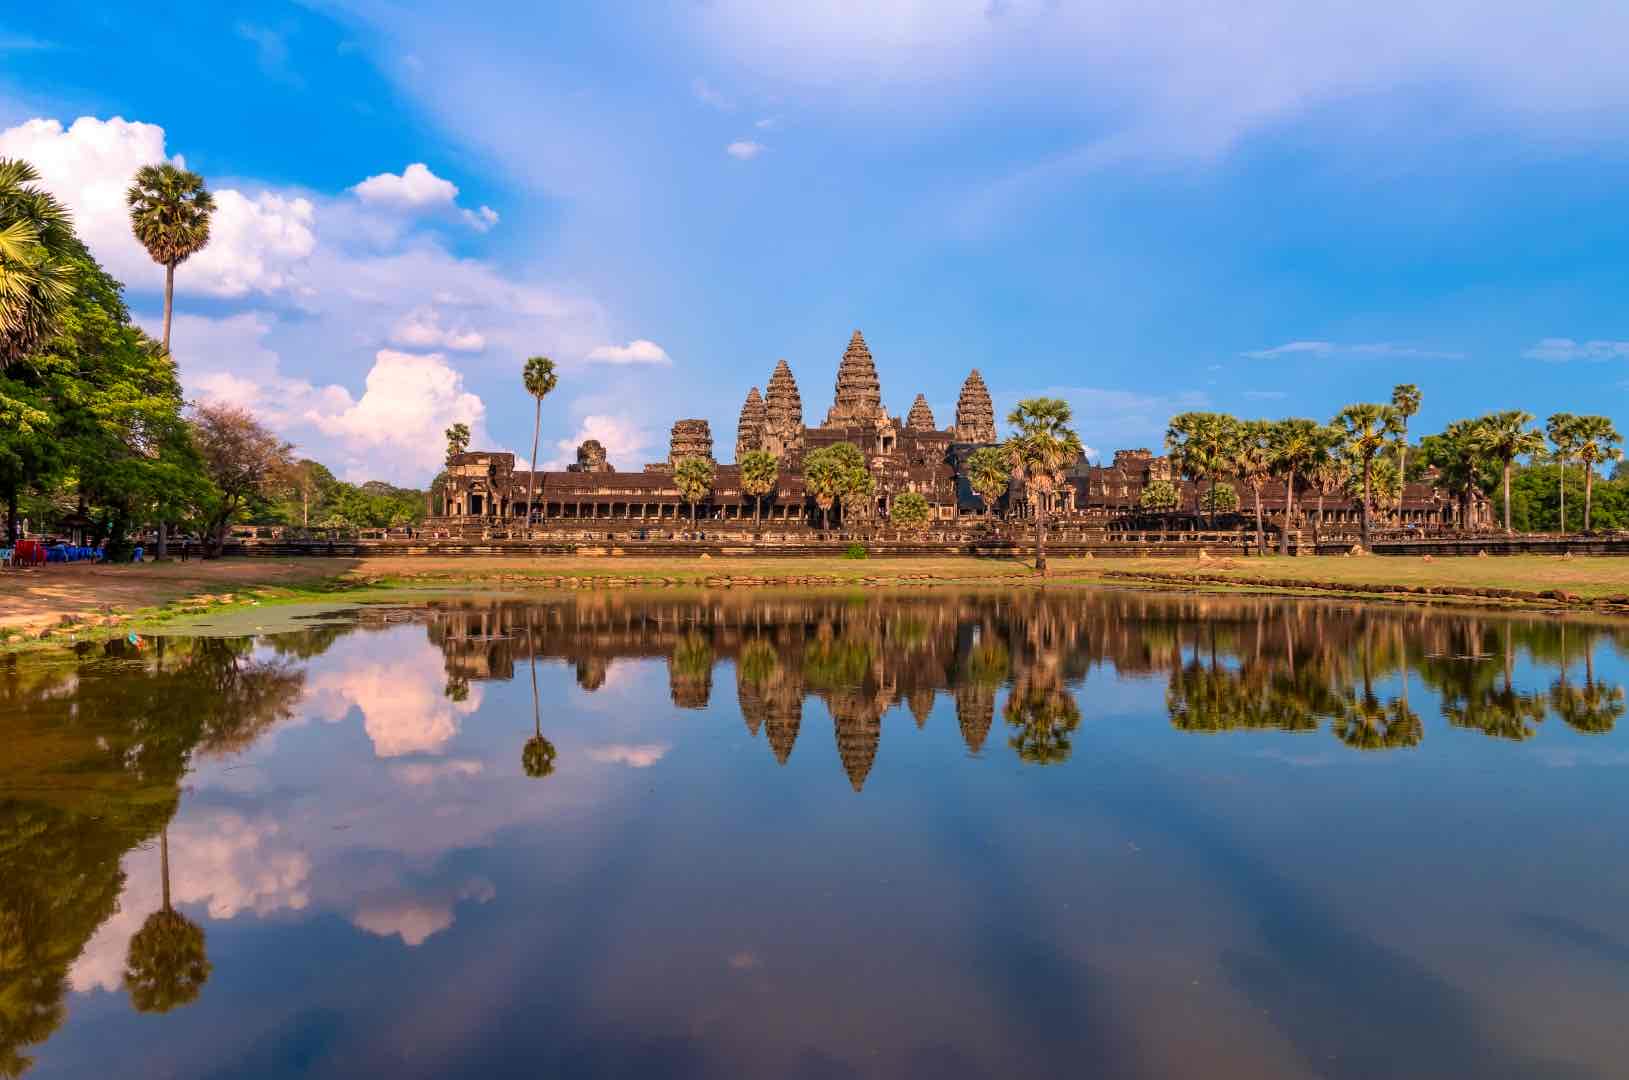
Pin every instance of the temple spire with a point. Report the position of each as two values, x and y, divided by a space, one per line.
921 417
859 392
783 413
975 414
749 433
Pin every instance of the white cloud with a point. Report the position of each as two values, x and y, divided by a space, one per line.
1560 350
424 773
421 328
415 187
622 438
416 919
638 351
409 401
744 149
480 220
1332 349
404 709
767 123
257 242
640 756
710 97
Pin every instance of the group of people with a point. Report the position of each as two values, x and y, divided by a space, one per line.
40 552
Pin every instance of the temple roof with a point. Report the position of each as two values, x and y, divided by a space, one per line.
859 392
921 416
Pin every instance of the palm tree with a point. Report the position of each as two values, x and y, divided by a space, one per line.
989 475
1253 463
822 475
1327 471
1041 447
760 472
537 756
1504 437
1562 429
1364 428
1293 444
1597 441
1201 444
910 511
1405 398
1456 456
167 964
540 381
36 248
694 478
169 213
457 440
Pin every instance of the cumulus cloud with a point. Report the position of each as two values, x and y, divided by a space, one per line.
622 438
258 242
638 351
1560 350
1332 349
416 919
635 756
414 187
421 328
404 710
425 773
480 220
744 149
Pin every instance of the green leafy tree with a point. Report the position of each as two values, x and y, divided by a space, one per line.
1201 444
760 473
37 252
243 460
1405 398
169 212
1365 428
989 475
822 476
457 440
1160 497
1563 433
167 963
1045 719
1292 446
1219 499
694 478
1253 464
1040 448
1597 442
1503 437
910 511
1457 456
540 381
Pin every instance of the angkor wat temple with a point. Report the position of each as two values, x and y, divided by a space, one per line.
485 489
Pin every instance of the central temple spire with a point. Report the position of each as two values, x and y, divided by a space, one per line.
859 393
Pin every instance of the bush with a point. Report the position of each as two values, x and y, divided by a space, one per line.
855 551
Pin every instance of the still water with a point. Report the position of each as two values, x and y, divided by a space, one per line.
893 834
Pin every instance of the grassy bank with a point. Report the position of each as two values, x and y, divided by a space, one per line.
59 602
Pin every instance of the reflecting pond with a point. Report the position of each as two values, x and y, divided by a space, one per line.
891 834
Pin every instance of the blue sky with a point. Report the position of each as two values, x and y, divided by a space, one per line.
1138 207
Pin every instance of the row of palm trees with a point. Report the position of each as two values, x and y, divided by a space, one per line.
1364 450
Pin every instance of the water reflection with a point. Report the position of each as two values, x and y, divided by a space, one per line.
358 769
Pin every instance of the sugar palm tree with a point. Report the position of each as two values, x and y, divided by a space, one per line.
760 472
537 756
1405 398
1597 441
823 476
1327 471
1201 444
169 212
1252 461
540 381
1364 429
1503 437
694 478
1455 455
1041 447
1562 430
1292 444
989 475
167 963
36 247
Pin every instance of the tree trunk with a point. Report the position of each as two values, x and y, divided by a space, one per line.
162 548
1289 512
1261 537
1561 488
11 512
531 478
1040 535
1589 483
1318 526
1363 510
169 301
164 862
1508 530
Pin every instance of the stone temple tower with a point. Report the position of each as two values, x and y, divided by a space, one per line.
749 433
783 413
859 392
921 417
975 415
690 438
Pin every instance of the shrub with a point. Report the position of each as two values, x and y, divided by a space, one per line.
855 551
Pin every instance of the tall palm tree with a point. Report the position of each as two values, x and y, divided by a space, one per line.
1503 437
1405 398
694 478
1201 443
1327 471
167 964
1041 447
1292 444
36 247
537 756
1364 429
1562 429
540 381
988 475
760 472
169 213
1597 441
823 477
1457 458
1253 464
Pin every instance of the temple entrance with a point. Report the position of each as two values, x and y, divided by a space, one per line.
475 505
